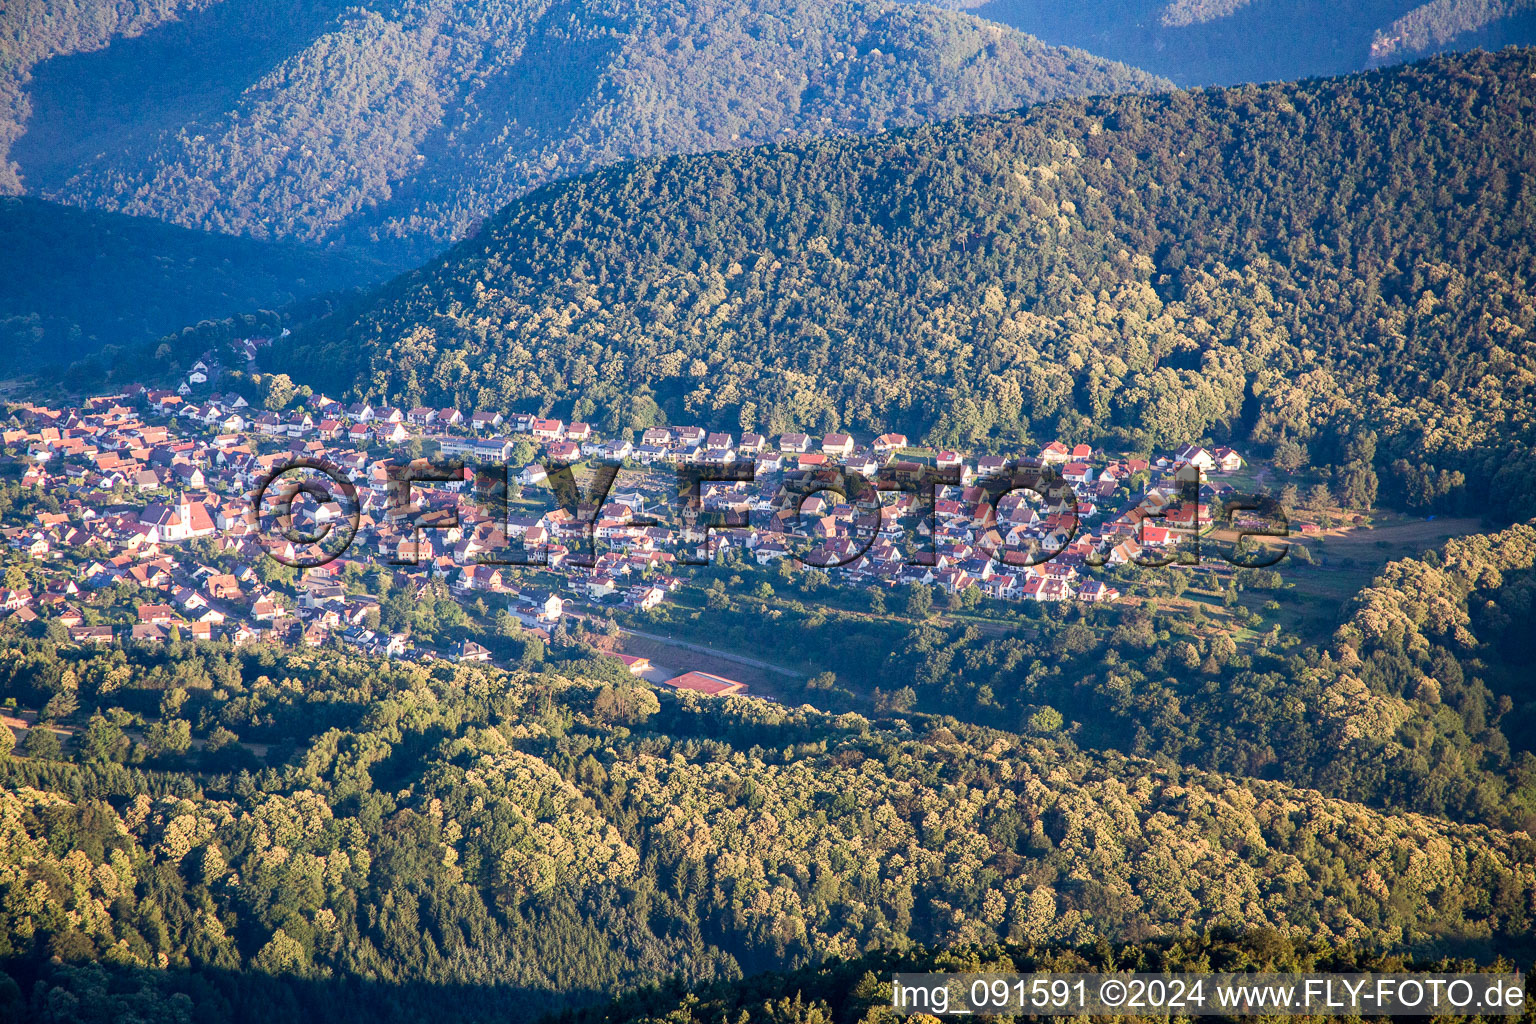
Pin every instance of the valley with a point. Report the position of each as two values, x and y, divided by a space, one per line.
633 511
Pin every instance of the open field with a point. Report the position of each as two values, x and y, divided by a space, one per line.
1347 561
679 656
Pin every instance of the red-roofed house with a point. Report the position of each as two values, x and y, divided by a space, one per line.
706 683
837 444
637 666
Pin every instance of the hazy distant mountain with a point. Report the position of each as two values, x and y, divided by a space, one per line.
72 280
1220 42
404 121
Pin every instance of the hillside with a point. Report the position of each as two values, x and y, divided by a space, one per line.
1413 700
402 122
858 991
73 281
1337 266
1225 42
31 31
553 837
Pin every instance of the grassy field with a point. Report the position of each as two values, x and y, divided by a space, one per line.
1347 561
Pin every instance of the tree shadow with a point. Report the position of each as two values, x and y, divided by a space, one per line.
116 103
58 991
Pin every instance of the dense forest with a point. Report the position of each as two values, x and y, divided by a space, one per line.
401 123
858 991
1340 269
72 281
1418 703
32 31
839 991
1439 23
1224 42
549 836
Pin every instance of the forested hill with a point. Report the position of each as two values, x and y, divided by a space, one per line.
72 281
858 990
1309 263
404 121
389 841
1224 42
34 30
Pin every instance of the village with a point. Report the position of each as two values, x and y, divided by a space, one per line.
153 489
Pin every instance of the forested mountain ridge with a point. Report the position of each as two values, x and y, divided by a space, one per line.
73 281
555 834
1342 265
1224 42
402 122
31 31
